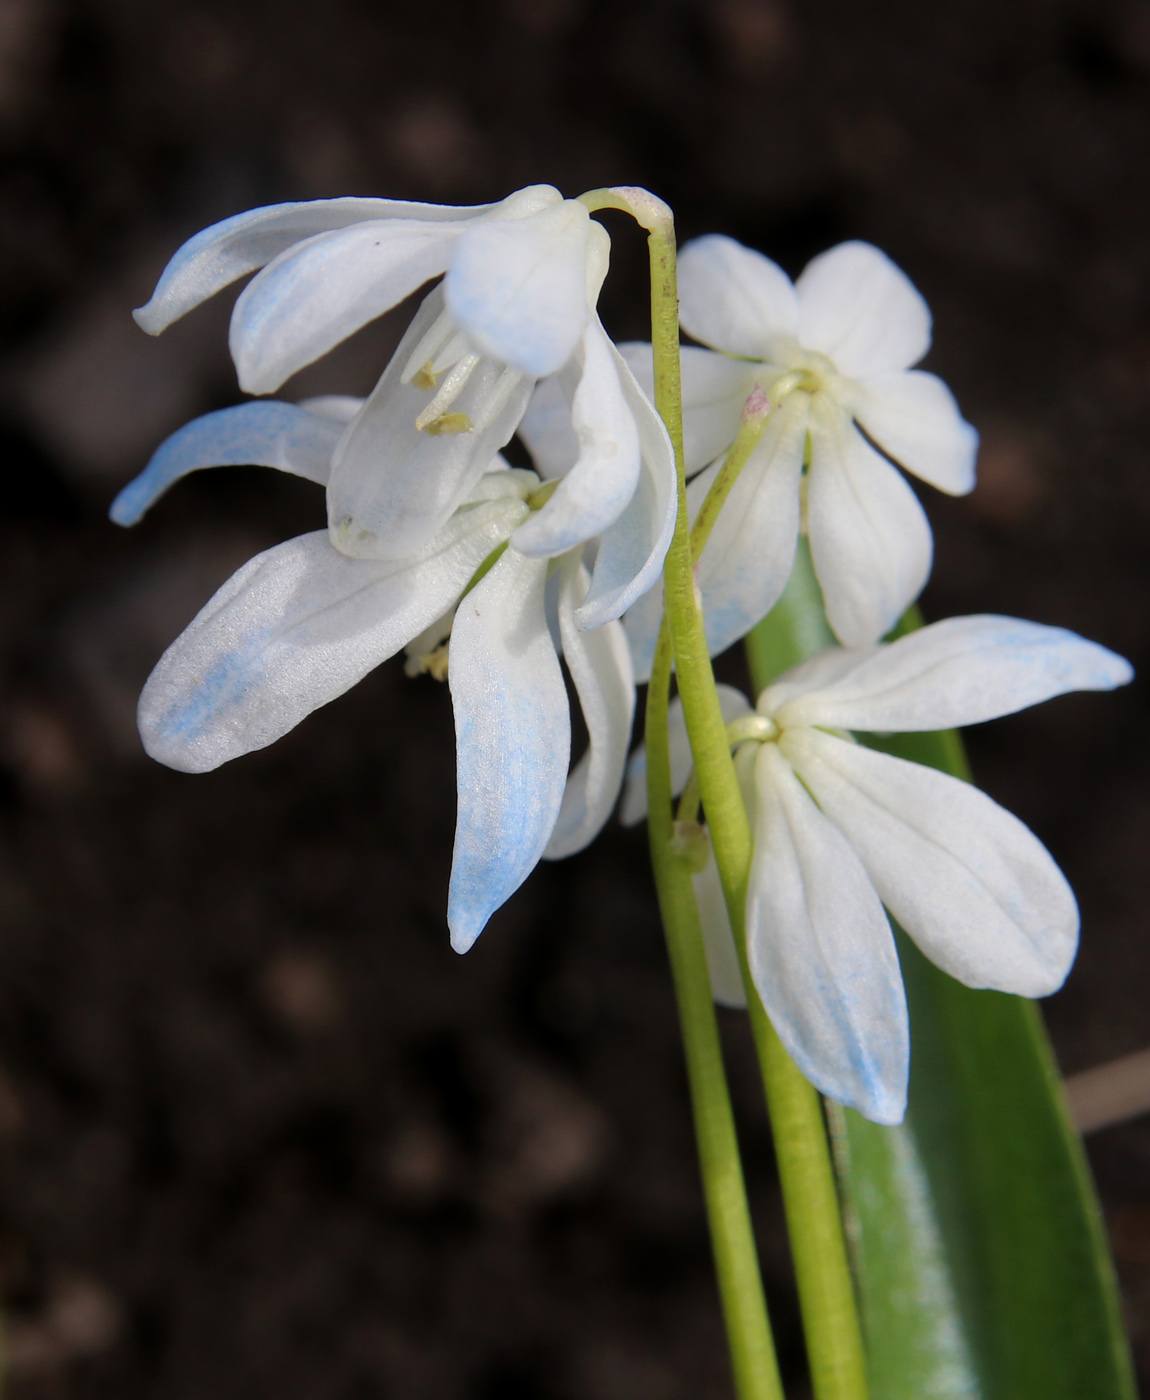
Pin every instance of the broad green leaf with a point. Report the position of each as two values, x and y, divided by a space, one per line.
976 1237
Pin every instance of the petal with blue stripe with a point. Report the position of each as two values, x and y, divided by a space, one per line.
513 740
281 435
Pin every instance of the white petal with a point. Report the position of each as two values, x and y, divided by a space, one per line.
821 951
595 492
870 539
513 740
546 429
236 246
748 557
733 703
600 666
751 549
715 388
392 486
632 550
960 671
324 289
281 435
518 287
718 940
862 311
976 890
812 675
501 480
914 419
733 298
294 628
341 408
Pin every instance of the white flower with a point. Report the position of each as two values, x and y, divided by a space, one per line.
517 303
301 623
841 830
833 353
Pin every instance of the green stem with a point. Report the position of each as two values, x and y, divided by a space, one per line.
736 1261
733 1242
732 1238
826 1295
755 413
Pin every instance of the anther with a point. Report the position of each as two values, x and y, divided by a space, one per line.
449 391
446 425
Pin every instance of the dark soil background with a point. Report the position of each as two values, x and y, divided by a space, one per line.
261 1132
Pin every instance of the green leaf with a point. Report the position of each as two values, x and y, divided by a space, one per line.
976 1235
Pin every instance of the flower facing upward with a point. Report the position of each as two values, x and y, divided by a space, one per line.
841 830
517 302
833 353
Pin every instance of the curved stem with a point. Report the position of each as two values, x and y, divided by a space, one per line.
755 413
732 1238
826 1295
736 1261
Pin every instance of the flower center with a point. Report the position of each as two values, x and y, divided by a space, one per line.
445 351
755 728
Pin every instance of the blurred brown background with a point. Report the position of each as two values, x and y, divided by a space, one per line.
261 1132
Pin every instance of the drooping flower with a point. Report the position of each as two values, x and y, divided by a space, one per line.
301 623
840 830
833 353
517 302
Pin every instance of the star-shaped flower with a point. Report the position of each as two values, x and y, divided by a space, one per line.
301 623
833 353
840 830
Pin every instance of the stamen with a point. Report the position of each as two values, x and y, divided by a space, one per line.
496 400
797 379
539 498
432 663
749 727
455 349
449 391
448 425
441 330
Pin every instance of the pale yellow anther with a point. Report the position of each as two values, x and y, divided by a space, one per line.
449 391
432 663
538 499
446 425
425 378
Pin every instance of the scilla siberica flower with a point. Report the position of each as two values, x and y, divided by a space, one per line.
833 353
301 623
430 533
517 303
840 830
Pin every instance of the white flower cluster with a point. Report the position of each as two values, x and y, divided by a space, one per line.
430 533
491 574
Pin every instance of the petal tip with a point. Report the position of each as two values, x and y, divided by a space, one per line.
125 509
464 931
149 318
